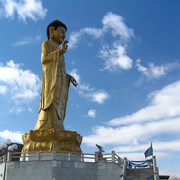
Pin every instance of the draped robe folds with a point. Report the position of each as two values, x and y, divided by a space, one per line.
55 88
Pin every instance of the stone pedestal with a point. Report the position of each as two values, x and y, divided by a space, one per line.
47 140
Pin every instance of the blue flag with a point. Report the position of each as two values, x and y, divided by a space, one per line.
149 151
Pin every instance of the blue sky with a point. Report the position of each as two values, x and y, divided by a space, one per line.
125 56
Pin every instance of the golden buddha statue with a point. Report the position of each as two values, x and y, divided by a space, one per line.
55 81
49 132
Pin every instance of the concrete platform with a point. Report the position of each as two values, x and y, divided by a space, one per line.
59 170
71 166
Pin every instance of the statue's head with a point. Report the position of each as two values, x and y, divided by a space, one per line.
56 31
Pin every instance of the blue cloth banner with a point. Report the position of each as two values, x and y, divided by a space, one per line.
122 175
149 152
150 177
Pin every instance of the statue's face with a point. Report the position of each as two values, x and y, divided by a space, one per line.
59 34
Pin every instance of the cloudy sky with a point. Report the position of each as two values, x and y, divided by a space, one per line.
125 56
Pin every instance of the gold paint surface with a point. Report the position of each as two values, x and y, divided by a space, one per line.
47 140
55 81
49 130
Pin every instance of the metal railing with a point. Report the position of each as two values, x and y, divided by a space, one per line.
152 164
62 156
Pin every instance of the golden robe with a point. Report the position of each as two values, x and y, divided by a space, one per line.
55 88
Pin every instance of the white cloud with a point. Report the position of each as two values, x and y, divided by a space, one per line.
127 134
94 32
75 37
115 58
85 88
16 109
153 71
163 146
13 136
31 9
29 109
117 25
164 104
27 40
22 85
99 96
3 89
139 156
111 22
92 113
23 42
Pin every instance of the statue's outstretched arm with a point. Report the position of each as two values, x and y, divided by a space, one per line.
72 80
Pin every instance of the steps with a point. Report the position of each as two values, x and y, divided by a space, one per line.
139 174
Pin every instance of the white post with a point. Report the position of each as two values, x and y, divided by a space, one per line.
9 156
38 156
23 156
124 168
82 157
113 156
54 153
4 158
96 156
69 156
155 169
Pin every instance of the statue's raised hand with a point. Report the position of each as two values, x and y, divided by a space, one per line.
64 46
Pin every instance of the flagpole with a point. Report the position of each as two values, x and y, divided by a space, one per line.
155 169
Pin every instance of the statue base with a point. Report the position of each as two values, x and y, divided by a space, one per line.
47 140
